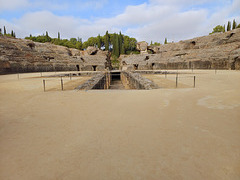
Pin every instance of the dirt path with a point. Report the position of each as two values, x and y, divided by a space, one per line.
183 133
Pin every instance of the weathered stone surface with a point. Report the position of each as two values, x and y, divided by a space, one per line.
138 81
21 55
220 50
142 47
92 50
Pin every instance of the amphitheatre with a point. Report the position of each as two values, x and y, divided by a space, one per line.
170 112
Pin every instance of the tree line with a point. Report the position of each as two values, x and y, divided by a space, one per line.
12 34
230 26
116 43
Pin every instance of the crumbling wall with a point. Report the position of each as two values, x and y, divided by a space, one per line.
216 51
136 81
21 55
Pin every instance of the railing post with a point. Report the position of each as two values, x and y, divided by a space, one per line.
194 79
62 83
44 85
177 81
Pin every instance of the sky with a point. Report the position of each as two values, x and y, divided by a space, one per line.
145 20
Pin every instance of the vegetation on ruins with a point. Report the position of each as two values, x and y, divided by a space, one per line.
155 44
12 34
117 43
165 41
230 26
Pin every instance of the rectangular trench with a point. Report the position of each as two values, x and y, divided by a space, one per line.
117 80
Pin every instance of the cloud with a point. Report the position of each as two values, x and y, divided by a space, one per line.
13 4
153 20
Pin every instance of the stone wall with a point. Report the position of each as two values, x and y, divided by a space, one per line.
21 55
136 81
216 51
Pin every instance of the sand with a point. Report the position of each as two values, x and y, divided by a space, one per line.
168 133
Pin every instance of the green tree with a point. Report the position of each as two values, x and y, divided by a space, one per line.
12 33
224 28
238 26
0 30
120 41
58 35
234 24
156 44
106 41
218 28
165 41
99 41
4 30
229 26
115 42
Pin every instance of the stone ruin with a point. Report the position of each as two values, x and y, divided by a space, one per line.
21 55
215 51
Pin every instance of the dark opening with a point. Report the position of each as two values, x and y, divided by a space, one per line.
116 82
147 57
77 66
94 68
116 76
31 45
82 59
135 66
153 64
193 43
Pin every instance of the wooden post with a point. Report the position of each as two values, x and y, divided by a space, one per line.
44 85
62 83
177 81
194 79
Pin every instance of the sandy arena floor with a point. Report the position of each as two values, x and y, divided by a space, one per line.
185 133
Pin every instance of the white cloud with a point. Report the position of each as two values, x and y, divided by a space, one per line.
148 21
13 4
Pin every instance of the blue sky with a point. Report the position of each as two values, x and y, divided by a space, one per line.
143 19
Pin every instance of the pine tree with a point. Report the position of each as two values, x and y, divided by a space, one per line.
106 41
121 42
117 52
224 28
0 30
234 24
58 35
229 26
99 42
47 34
116 48
12 33
30 35
4 30
165 42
